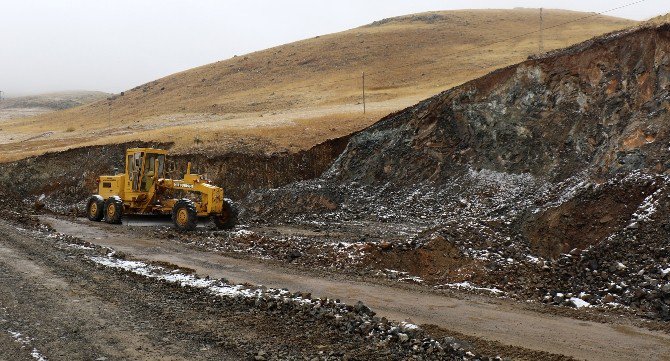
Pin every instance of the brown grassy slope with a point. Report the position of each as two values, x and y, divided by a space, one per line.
659 19
296 95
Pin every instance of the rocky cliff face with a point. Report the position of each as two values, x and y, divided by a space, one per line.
555 157
595 110
599 107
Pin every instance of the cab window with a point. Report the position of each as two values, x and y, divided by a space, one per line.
150 170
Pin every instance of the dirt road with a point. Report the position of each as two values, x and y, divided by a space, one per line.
495 320
59 302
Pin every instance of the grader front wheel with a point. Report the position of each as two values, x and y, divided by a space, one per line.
184 215
228 217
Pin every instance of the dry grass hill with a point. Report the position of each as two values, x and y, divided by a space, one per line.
296 95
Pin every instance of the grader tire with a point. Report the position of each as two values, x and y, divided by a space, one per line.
184 215
228 218
95 208
113 210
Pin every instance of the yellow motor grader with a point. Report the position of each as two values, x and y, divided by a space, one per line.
144 189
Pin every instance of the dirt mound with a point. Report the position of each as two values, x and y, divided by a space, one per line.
589 114
601 109
594 213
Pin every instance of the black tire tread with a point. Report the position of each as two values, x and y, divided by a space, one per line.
117 202
230 212
101 208
192 214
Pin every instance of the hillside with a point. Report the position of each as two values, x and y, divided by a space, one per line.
26 106
661 19
293 96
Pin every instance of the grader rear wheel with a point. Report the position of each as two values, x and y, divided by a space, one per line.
184 215
95 208
113 210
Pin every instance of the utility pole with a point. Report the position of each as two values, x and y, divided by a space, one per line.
109 112
363 92
541 32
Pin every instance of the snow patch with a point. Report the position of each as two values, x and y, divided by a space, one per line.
37 355
399 275
216 287
468 286
25 341
647 208
79 246
242 233
408 326
579 303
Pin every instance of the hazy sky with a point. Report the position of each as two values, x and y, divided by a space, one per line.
116 45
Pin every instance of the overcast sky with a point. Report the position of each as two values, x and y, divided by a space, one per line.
115 45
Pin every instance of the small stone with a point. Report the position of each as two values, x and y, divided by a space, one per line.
385 246
633 225
559 298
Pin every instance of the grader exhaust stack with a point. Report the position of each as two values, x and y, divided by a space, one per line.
144 189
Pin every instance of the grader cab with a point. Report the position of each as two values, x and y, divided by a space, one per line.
144 188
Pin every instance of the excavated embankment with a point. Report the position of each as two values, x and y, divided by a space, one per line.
549 177
62 181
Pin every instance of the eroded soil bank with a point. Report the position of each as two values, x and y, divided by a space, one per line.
63 181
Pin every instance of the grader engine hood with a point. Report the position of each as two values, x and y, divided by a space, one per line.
109 185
